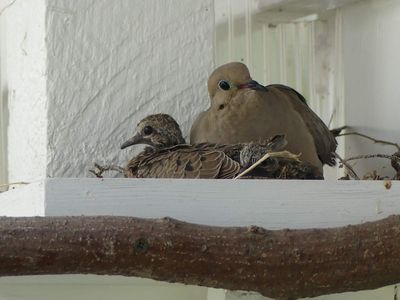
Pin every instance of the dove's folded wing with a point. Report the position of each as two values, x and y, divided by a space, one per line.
184 161
324 140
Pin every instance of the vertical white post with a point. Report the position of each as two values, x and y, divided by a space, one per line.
23 87
266 67
338 100
313 103
230 30
249 35
3 128
298 55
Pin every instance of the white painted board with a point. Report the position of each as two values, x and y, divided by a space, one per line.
269 203
95 287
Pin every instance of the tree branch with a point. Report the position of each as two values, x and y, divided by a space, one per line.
285 264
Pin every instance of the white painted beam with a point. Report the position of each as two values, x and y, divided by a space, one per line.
95 287
269 203
306 6
384 293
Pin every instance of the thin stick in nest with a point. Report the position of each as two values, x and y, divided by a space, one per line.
396 164
284 154
349 169
99 170
371 138
394 159
388 156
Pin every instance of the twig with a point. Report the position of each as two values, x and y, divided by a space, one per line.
371 138
331 118
394 160
13 183
349 169
372 156
338 130
265 157
101 169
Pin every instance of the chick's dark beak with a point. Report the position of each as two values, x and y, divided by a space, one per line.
137 139
277 143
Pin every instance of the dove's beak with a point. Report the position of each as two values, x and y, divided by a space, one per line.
137 139
252 84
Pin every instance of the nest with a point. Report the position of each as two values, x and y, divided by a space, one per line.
373 174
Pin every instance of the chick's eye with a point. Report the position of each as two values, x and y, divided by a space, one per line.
224 85
148 130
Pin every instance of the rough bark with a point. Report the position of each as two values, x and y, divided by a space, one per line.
283 264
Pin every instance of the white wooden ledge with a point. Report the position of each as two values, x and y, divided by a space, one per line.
269 203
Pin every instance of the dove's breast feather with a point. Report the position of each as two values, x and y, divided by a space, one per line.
254 116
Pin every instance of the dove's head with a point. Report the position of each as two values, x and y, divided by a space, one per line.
227 81
158 131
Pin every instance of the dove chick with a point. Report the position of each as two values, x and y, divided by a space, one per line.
167 155
158 131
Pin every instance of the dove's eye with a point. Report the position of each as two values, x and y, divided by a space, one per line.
224 85
147 130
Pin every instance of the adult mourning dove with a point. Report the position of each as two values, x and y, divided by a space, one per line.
242 111
167 155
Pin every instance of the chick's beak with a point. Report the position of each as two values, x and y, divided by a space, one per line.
136 139
277 143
